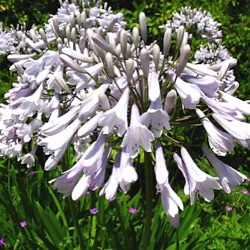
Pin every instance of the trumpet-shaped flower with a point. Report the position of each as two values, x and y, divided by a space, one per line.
239 130
219 141
156 118
196 179
229 177
136 135
116 117
170 200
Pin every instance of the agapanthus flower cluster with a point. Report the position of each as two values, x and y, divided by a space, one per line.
92 86
200 24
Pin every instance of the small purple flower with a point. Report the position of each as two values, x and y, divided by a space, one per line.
229 208
132 210
245 191
23 224
248 178
3 241
93 211
31 173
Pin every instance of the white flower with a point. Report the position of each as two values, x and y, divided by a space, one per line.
136 135
229 177
156 118
239 130
170 200
219 141
116 117
196 179
189 93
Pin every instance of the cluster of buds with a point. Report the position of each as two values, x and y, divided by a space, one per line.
89 84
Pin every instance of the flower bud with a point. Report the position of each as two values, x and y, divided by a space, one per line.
73 35
55 26
104 102
76 55
129 69
184 39
83 94
61 82
101 43
78 19
156 55
170 100
167 41
72 20
123 42
110 65
43 36
223 70
72 64
143 26
183 59
135 36
144 56
67 31
180 33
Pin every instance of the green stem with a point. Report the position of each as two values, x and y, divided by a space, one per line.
76 224
149 201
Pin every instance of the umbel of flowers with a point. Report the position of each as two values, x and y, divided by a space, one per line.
85 82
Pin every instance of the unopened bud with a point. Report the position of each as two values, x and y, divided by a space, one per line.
167 41
67 31
72 20
143 26
43 36
129 69
78 19
61 82
83 94
118 50
73 35
104 102
135 36
123 41
180 33
76 55
184 39
170 101
101 43
183 59
110 65
55 26
156 55
223 70
144 56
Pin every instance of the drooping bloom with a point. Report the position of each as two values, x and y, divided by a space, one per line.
115 119
170 200
229 177
197 181
137 135
219 141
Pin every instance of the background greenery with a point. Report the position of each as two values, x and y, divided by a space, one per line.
25 194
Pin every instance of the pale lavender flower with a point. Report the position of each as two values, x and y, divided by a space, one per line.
219 141
115 119
137 135
229 177
197 181
170 200
238 129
